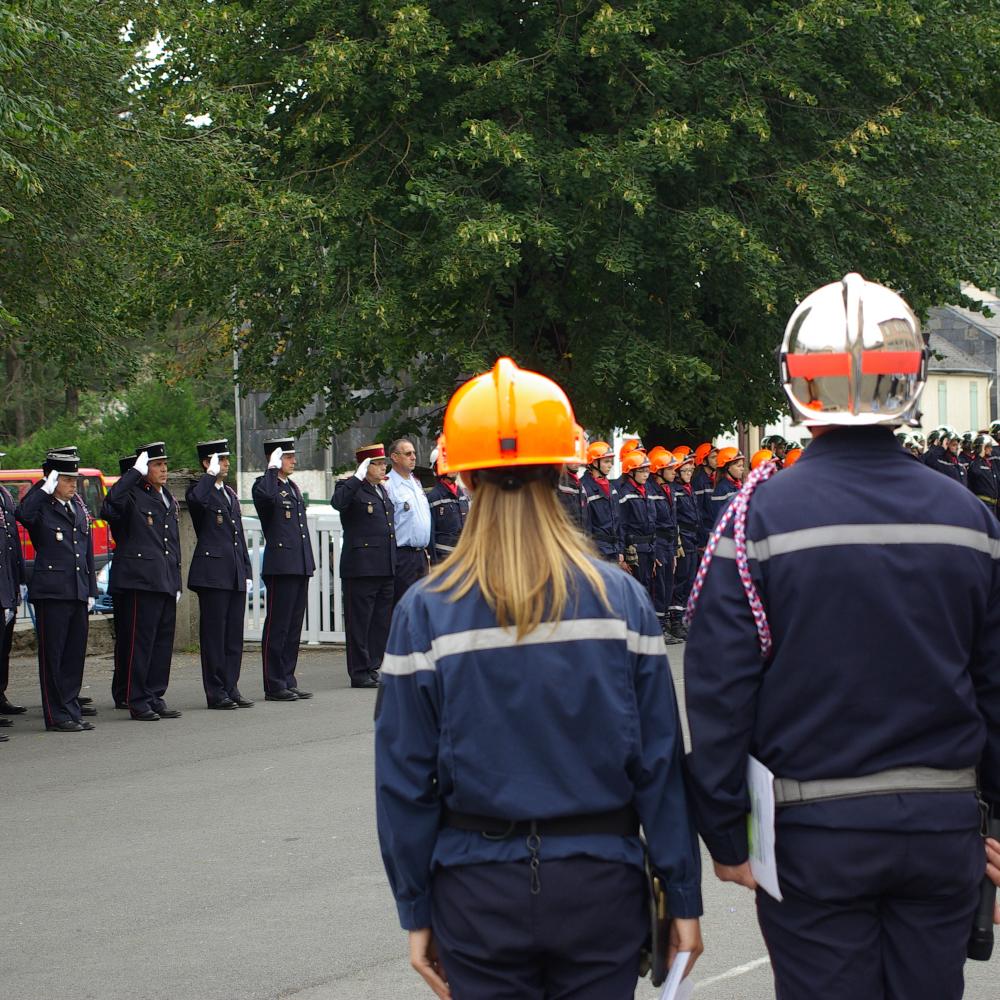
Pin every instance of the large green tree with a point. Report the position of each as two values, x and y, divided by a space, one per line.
628 195
101 198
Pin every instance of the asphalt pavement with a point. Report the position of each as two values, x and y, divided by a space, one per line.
232 855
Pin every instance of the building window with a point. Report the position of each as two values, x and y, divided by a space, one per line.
942 401
973 406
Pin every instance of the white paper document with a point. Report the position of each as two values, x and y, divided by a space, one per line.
677 987
760 827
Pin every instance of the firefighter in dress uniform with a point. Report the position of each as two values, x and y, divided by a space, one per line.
602 502
817 648
13 593
119 676
288 564
521 875
732 464
221 576
147 577
984 476
638 518
63 590
367 563
449 503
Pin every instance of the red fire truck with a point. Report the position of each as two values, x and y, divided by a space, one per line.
91 486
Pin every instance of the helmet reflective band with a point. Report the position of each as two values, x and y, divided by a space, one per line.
853 353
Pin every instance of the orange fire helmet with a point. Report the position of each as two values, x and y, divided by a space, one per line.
683 456
660 462
727 455
657 452
683 449
629 444
508 417
792 456
703 451
598 450
634 460
760 457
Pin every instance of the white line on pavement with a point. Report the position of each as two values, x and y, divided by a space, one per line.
737 970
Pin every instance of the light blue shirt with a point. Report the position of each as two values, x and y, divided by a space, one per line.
412 513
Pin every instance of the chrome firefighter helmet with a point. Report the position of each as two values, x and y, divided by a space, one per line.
853 354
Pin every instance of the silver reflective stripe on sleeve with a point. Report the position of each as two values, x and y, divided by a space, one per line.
484 639
832 535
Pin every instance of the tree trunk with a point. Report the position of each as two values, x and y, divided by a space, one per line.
72 401
15 373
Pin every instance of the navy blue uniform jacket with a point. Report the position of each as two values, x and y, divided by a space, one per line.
366 514
666 520
605 517
578 717
220 560
282 513
147 536
573 501
64 549
703 486
638 514
448 514
881 581
725 490
11 557
687 512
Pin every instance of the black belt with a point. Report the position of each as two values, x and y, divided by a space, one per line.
666 536
639 539
411 548
622 822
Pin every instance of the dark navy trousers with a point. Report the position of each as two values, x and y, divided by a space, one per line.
147 643
871 915
6 639
62 650
579 938
368 604
286 610
687 566
662 588
119 678
411 565
220 637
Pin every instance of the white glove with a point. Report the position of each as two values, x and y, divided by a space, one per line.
142 463
51 482
274 462
90 603
214 468
178 597
8 616
24 592
362 470
249 585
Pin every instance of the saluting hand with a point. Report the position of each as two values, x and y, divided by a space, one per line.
51 482
362 469
214 468
423 958
274 462
142 463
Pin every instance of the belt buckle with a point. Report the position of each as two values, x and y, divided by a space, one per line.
501 836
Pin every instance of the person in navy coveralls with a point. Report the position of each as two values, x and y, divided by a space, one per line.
219 574
145 517
63 590
119 676
851 647
367 563
526 727
288 564
12 593
449 503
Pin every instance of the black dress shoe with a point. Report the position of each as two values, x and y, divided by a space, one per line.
6 708
299 693
281 696
121 704
66 727
4 737
87 725
224 706
242 702
368 682
83 700
169 713
147 716
87 710
5 722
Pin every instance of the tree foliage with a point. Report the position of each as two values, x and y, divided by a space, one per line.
627 195
100 197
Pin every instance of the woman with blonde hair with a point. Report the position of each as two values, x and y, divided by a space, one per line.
525 730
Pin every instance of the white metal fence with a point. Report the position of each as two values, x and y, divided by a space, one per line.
324 621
